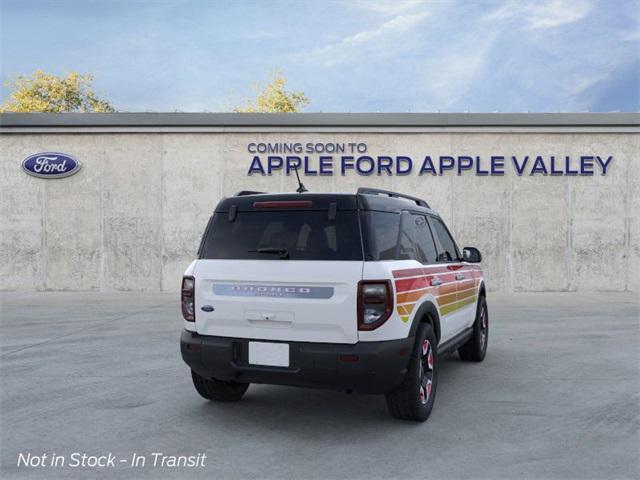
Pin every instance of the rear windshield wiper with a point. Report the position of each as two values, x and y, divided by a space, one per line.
283 252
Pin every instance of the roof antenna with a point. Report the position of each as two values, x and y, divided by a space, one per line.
301 188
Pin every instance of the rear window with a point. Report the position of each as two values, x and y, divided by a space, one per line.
303 234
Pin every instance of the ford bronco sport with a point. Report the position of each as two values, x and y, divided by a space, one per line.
359 292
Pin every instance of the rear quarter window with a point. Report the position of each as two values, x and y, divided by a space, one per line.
382 231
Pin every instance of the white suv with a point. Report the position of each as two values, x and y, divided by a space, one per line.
357 292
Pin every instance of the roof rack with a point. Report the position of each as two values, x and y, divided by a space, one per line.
377 191
242 193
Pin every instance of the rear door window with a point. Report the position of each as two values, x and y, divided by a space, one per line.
416 242
305 235
447 249
425 245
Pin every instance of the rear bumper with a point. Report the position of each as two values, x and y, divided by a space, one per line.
366 367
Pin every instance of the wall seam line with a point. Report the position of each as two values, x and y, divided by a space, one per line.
510 248
570 257
627 229
163 251
45 239
103 260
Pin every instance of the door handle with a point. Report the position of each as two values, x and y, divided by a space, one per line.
460 276
436 282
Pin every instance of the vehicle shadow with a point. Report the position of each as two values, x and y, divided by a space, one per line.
294 409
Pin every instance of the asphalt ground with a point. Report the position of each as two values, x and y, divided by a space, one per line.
556 397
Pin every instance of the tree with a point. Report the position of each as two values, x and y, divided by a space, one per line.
41 92
275 99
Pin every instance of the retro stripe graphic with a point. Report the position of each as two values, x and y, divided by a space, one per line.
451 295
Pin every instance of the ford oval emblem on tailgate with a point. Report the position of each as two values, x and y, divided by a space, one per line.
207 308
50 165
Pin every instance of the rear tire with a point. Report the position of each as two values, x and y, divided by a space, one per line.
414 398
217 390
476 347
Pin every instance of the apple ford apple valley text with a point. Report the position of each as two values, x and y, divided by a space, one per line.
344 158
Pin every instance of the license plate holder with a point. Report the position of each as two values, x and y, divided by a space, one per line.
269 354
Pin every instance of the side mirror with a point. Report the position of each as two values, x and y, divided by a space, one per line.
471 255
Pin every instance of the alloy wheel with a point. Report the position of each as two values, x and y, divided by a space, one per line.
484 328
426 372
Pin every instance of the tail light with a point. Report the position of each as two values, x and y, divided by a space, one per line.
375 303
188 299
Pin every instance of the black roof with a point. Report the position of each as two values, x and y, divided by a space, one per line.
365 199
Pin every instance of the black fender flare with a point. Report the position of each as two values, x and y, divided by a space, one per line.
482 292
426 310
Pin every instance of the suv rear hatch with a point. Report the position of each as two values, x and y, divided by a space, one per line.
281 267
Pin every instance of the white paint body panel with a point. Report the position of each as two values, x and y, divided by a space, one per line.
323 320
450 324
468 312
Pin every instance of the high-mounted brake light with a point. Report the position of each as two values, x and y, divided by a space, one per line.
284 204
375 303
188 299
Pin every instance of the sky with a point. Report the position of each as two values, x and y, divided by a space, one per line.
346 56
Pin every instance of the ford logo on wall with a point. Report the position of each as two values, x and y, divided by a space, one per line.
50 165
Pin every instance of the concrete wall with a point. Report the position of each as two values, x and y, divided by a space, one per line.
131 219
